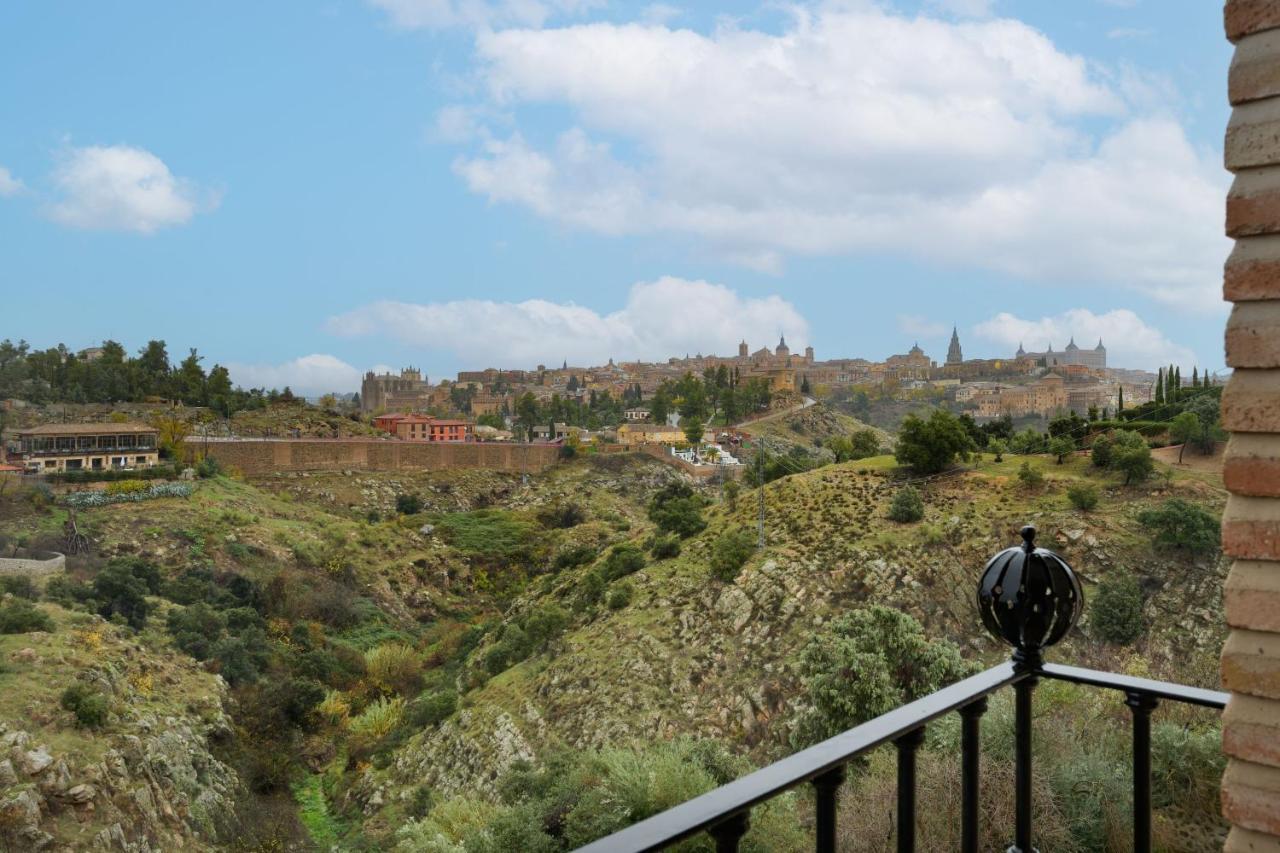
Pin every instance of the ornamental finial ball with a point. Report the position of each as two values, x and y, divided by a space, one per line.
1029 597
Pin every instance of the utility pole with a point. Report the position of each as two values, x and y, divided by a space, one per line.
760 481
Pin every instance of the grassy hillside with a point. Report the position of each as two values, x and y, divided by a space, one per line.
507 622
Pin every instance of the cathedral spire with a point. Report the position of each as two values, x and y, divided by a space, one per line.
954 354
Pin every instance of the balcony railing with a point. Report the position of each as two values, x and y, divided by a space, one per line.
1017 596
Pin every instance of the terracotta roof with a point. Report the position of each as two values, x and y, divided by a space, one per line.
88 429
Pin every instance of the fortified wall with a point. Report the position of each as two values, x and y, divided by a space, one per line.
256 458
32 563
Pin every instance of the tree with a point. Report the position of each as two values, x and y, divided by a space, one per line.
527 414
730 553
1030 477
1183 429
173 436
1083 496
999 447
694 429
676 509
866 663
1061 447
1119 399
1180 525
1115 616
931 445
1131 456
730 491
1159 395
1100 450
907 506
118 588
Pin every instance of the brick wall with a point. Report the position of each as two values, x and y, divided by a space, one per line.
1251 411
256 458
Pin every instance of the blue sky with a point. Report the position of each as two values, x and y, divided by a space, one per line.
307 190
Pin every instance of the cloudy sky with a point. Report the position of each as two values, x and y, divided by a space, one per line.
307 190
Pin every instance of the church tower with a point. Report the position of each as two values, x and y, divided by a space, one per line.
954 355
783 350
742 351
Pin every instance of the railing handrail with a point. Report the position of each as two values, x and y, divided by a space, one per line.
1133 684
738 797
705 811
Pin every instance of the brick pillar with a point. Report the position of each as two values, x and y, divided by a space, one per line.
1251 411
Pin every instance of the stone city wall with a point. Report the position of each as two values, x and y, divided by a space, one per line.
256 458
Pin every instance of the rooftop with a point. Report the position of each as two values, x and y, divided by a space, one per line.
88 429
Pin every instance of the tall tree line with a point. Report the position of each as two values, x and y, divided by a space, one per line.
58 375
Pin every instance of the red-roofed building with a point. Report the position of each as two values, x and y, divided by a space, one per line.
425 428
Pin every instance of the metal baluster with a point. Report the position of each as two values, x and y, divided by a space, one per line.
729 832
970 729
1142 704
1022 765
907 746
826 789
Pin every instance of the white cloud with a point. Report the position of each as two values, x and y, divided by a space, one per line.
122 188
1129 340
855 129
309 375
921 327
9 185
660 13
670 316
1129 33
480 14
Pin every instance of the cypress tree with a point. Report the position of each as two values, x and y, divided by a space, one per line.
1159 396
1120 402
1177 379
1195 377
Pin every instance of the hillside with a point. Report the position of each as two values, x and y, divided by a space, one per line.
513 653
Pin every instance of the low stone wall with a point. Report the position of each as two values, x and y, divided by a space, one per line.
33 563
256 458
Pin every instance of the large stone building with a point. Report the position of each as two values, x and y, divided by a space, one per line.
1095 358
409 391
57 448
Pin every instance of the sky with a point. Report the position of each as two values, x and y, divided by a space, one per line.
307 190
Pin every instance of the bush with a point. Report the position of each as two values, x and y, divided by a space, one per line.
19 616
208 467
394 668
620 595
622 560
377 720
545 623
676 509
590 591
125 487
730 553
433 708
487 533
19 586
1100 451
867 663
89 707
513 647
664 547
408 504
1115 615
561 516
1181 525
578 555
121 589
1083 496
1131 456
907 506
1030 477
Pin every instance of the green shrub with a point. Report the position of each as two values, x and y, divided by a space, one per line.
394 668
866 663
1115 615
545 623
578 555
677 509
19 586
433 708
621 561
730 553
1181 525
561 516
377 720
907 506
1083 496
1100 451
19 616
664 547
487 533
408 504
208 467
512 647
590 591
89 707
121 589
1130 455
1030 477
619 595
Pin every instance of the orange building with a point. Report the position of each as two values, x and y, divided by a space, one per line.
425 428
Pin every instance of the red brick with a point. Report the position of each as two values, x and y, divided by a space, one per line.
1253 334
1253 204
1252 465
1252 270
1251 663
1255 68
1251 796
1241 840
1253 135
1251 730
1251 401
1252 597
1243 17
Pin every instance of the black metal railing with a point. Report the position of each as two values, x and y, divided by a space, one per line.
724 813
1030 581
